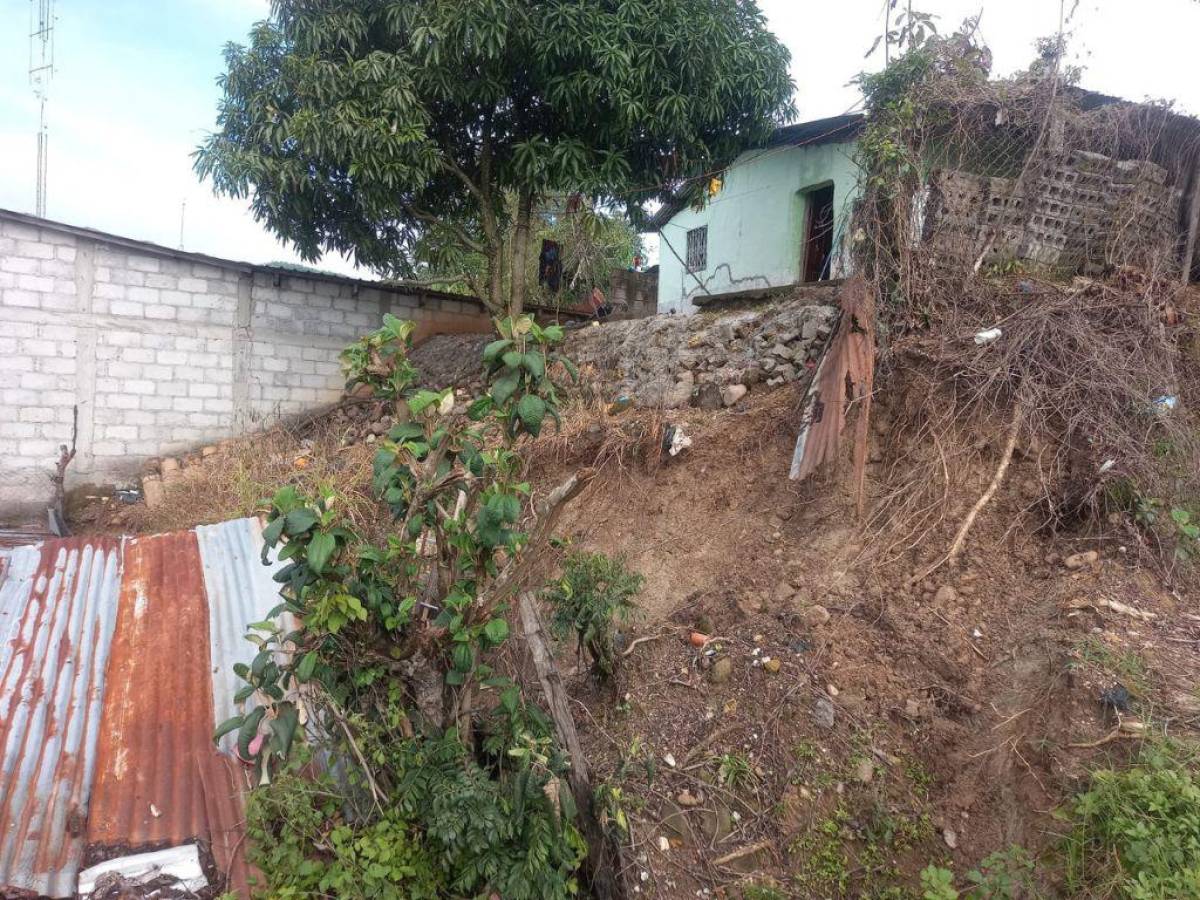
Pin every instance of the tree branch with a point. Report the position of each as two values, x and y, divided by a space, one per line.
457 230
462 176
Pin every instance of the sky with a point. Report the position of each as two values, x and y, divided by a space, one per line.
134 91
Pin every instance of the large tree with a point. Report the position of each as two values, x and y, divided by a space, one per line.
404 132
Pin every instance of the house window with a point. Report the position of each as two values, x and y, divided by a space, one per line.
697 249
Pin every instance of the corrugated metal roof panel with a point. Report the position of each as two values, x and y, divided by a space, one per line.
58 605
240 590
158 706
130 762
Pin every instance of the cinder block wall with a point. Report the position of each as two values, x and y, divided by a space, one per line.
163 351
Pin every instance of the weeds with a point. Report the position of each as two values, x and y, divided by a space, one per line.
735 771
593 592
762 892
1136 833
1003 875
1125 665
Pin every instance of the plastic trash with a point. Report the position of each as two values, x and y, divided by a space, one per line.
675 441
987 336
1165 403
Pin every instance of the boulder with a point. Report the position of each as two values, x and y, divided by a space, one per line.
707 396
733 393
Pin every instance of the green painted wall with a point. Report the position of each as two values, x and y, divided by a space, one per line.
756 223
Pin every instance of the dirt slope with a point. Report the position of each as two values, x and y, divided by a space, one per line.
903 726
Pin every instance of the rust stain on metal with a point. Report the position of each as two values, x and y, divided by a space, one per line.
845 375
156 728
107 702
57 606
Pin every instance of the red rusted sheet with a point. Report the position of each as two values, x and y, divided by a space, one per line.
159 780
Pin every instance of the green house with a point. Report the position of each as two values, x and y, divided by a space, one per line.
777 217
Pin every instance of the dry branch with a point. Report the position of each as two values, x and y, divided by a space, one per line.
604 856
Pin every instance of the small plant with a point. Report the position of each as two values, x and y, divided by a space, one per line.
1188 528
1003 875
938 883
735 771
1123 664
762 891
1136 832
822 866
593 592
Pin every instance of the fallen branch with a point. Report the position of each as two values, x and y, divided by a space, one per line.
742 852
641 640
1014 430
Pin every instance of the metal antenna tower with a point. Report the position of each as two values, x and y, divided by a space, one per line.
41 70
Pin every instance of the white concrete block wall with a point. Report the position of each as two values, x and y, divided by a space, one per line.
163 352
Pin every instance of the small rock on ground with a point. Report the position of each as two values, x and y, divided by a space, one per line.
945 594
823 713
733 393
1081 560
815 615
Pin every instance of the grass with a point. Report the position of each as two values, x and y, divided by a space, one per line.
234 482
821 864
735 771
1125 665
1135 833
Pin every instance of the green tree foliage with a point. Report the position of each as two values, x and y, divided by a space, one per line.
395 130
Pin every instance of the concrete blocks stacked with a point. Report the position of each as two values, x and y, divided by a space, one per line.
163 351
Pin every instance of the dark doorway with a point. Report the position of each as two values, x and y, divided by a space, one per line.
818 234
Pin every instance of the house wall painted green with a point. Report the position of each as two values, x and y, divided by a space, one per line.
756 222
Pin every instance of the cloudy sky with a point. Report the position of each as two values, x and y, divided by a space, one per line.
134 92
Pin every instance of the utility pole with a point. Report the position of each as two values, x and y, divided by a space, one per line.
41 70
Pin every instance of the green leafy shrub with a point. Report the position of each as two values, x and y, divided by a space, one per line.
593 592
431 796
1003 875
1136 832
454 830
937 883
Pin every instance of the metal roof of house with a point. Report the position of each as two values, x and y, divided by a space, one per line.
833 130
115 655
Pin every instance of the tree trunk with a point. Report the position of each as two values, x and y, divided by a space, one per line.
603 863
495 286
520 251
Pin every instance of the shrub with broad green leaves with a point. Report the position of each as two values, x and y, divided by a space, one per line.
378 654
593 593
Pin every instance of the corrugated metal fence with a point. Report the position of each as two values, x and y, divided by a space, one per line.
116 661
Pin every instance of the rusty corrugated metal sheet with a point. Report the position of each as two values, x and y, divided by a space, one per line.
57 610
107 693
158 706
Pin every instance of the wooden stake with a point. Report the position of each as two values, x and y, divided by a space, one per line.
604 856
